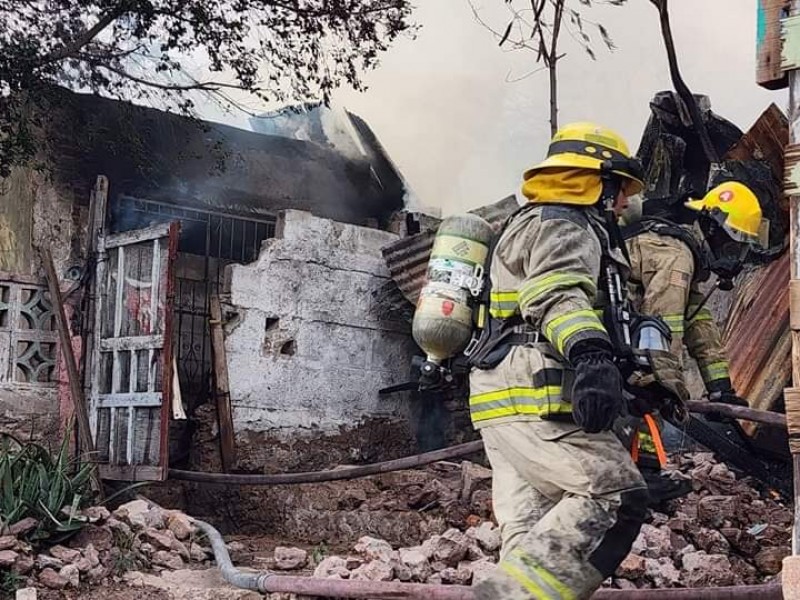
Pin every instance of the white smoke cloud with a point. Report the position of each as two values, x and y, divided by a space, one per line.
462 134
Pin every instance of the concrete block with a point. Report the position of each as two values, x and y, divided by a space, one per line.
26 594
790 578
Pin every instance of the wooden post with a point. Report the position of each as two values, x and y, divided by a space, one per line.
75 384
789 63
222 388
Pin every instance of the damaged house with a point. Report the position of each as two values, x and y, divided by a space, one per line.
272 238
239 300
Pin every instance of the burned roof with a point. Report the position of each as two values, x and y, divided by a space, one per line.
165 157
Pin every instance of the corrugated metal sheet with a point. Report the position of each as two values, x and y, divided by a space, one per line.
757 336
407 259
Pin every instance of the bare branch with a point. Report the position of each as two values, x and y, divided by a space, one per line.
71 48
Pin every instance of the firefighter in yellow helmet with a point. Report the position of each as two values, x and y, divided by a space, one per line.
544 389
671 255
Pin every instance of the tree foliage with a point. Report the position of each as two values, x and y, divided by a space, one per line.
147 50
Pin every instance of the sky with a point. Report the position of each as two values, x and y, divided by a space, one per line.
461 131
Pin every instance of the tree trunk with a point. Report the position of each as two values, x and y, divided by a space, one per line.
552 65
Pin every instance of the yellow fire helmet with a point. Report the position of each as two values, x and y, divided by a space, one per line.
737 208
587 146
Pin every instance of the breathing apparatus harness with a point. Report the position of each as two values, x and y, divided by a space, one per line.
634 337
719 254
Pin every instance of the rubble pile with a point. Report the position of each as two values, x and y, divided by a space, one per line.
455 557
136 536
725 532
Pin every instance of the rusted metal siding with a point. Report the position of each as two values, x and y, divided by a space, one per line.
407 259
757 336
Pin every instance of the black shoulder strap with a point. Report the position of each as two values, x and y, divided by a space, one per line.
484 298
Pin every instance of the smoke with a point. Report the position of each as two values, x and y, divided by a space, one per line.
462 134
461 130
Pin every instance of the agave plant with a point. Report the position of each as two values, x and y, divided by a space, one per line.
48 488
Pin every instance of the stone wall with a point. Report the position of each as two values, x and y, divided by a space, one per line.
34 212
309 346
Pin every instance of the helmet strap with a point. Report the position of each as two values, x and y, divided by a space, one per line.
612 185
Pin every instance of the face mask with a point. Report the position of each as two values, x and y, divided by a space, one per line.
727 255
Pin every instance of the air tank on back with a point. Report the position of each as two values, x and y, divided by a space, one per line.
442 324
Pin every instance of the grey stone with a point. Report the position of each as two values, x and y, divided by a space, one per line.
707 570
72 574
460 576
23 565
451 547
65 555
652 542
91 554
44 561
96 513
662 572
289 559
632 567
50 579
770 560
180 524
713 511
711 541
23 526
417 562
334 567
167 559
480 569
487 536
7 542
375 570
374 549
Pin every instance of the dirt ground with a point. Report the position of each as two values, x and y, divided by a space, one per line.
119 591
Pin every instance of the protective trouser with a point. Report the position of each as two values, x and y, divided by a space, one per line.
569 504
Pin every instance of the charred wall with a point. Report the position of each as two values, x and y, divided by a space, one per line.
157 155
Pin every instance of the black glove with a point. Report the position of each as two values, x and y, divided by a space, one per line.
642 402
597 392
722 391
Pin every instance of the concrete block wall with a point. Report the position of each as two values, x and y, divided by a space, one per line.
35 211
308 346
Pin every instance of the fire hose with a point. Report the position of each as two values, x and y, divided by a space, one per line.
266 582
737 412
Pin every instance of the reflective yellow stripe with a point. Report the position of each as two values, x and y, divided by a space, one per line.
703 315
517 401
674 322
528 584
560 329
481 316
546 284
536 579
503 304
646 443
715 371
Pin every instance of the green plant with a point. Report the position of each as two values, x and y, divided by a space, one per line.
319 552
128 558
35 484
9 582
